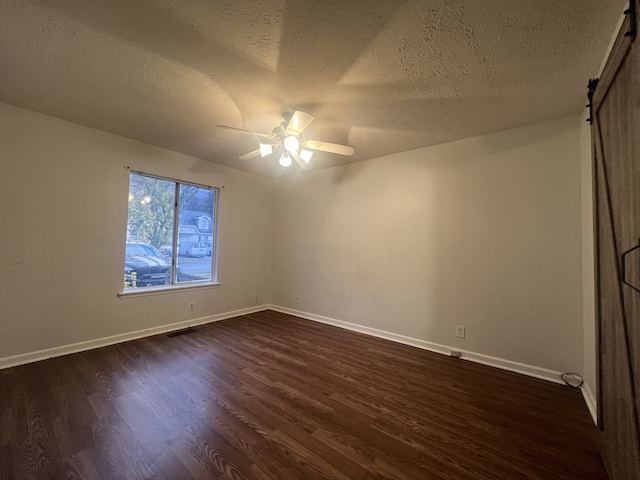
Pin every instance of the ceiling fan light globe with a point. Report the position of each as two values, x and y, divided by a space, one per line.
266 149
306 155
285 160
291 144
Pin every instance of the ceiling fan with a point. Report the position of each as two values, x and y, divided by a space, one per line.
286 140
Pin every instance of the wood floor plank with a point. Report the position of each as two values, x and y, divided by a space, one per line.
272 396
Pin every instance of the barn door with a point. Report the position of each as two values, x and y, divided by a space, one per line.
616 148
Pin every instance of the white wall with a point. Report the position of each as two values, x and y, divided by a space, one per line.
483 232
63 215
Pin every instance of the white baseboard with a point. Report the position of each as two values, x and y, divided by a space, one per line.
23 358
530 370
522 368
590 400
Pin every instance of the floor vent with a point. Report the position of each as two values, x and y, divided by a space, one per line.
175 333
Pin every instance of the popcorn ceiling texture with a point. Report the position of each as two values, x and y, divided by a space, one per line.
383 76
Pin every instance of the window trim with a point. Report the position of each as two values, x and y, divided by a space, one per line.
169 179
192 284
164 289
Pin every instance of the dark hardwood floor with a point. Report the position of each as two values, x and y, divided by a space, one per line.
271 396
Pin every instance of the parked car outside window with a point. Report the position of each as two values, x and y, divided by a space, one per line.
148 264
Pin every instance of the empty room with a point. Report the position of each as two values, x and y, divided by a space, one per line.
293 239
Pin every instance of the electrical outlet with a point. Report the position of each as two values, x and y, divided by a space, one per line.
191 307
460 331
297 299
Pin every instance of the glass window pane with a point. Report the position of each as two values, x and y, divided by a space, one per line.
149 232
196 234
161 251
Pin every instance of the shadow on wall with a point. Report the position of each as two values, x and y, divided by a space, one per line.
501 143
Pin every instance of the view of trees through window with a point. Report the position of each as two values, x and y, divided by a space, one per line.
165 246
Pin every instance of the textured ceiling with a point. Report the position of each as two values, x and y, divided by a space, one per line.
384 76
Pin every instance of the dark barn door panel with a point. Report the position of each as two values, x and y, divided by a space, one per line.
616 153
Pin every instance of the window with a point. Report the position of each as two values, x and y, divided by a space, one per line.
171 233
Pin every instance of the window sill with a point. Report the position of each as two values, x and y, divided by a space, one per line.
147 291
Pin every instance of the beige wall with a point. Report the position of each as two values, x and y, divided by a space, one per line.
63 214
483 232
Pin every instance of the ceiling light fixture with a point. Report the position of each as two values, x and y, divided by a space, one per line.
286 141
285 160
266 149
291 144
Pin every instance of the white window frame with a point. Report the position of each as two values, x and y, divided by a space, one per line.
195 284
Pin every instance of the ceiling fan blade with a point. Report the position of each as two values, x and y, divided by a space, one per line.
250 155
329 147
226 127
304 165
299 121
